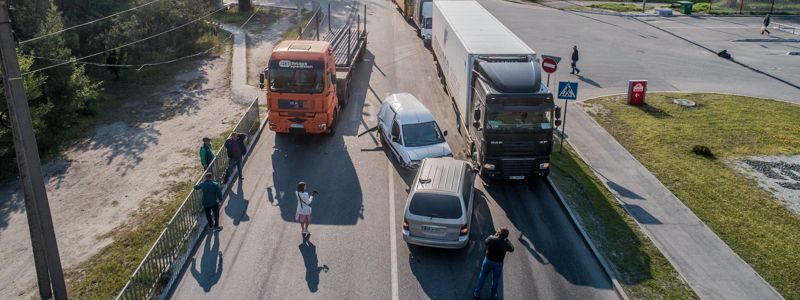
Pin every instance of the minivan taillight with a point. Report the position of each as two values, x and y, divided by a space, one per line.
464 230
405 224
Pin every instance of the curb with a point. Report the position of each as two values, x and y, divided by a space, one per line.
201 230
617 287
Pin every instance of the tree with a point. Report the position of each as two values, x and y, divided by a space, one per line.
245 5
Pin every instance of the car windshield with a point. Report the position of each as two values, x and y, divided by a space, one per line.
426 23
286 76
518 120
422 134
435 206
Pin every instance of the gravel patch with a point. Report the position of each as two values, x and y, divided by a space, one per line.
780 175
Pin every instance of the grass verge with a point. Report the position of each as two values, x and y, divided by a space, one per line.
661 136
620 7
293 33
642 270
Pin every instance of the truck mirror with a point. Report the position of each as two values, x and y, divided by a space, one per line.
261 81
444 133
558 112
396 139
558 123
477 125
477 115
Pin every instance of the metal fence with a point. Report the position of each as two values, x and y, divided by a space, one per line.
171 249
312 28
755 7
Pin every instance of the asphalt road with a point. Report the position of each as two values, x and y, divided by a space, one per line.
616 49
356 250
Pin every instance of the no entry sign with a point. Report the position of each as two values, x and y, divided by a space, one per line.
549 64
636 91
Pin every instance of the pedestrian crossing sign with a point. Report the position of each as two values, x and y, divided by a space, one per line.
567 90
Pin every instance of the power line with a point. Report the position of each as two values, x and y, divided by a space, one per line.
87 23
125 45
140 66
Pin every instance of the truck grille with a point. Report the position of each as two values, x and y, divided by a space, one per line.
517 167
515 148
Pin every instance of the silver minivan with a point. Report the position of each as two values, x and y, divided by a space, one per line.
439 205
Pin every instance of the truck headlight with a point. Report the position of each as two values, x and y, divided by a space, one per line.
488 166
544 165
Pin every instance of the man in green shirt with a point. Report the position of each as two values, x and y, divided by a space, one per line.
206 153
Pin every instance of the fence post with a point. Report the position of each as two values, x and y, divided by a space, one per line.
349 30
317 20
329 16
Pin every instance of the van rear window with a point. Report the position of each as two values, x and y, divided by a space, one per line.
435 206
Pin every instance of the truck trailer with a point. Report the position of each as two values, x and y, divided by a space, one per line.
494 80
308 81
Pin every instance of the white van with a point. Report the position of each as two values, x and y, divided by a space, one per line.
408 128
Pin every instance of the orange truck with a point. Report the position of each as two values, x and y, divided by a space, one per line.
308 81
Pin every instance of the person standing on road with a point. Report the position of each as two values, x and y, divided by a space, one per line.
206 153
303 214
496 247
236 152
575 69
766 25
212 196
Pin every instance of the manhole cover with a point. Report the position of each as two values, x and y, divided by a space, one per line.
684 102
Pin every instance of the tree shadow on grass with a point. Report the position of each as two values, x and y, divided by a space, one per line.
653 111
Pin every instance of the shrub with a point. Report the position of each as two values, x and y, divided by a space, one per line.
701 7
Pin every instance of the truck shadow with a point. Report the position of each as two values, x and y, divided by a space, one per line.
541 227
353 116
451 274
325 165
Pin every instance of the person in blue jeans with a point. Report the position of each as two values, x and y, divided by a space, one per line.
496 247
236 152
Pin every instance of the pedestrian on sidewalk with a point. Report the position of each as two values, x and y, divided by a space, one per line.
236 152
496 247
766 25
574 65
212 196
206 153
303 214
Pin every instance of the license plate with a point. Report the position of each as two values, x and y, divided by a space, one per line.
433 230
516 177
295 125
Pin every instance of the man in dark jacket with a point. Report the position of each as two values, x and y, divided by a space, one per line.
206 153
212 196
236 152
766 25
496 247
575 69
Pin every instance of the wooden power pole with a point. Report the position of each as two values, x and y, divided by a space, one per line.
49 275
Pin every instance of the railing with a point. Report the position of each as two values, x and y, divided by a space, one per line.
171 249
311 29
786 28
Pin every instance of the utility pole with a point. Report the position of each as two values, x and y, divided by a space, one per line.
49 275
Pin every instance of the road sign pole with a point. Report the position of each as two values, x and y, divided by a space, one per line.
43 239
548 80
563 126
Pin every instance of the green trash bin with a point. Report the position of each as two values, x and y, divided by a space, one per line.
686 7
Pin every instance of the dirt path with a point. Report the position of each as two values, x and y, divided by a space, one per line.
130 160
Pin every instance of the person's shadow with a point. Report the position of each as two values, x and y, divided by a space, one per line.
309 252
210 264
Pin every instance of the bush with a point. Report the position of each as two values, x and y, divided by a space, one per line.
702 151
701 7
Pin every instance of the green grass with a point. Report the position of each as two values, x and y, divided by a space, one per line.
754 224
620 7
293 33
642 270
234 16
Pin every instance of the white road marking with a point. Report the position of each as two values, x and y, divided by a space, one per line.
392 232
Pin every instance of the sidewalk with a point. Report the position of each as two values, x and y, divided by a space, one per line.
710 267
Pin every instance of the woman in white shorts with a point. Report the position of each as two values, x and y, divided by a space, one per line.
303 214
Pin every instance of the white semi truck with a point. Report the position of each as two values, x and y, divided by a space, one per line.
505 111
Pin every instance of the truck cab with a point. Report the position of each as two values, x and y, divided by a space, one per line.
301 83
513 115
